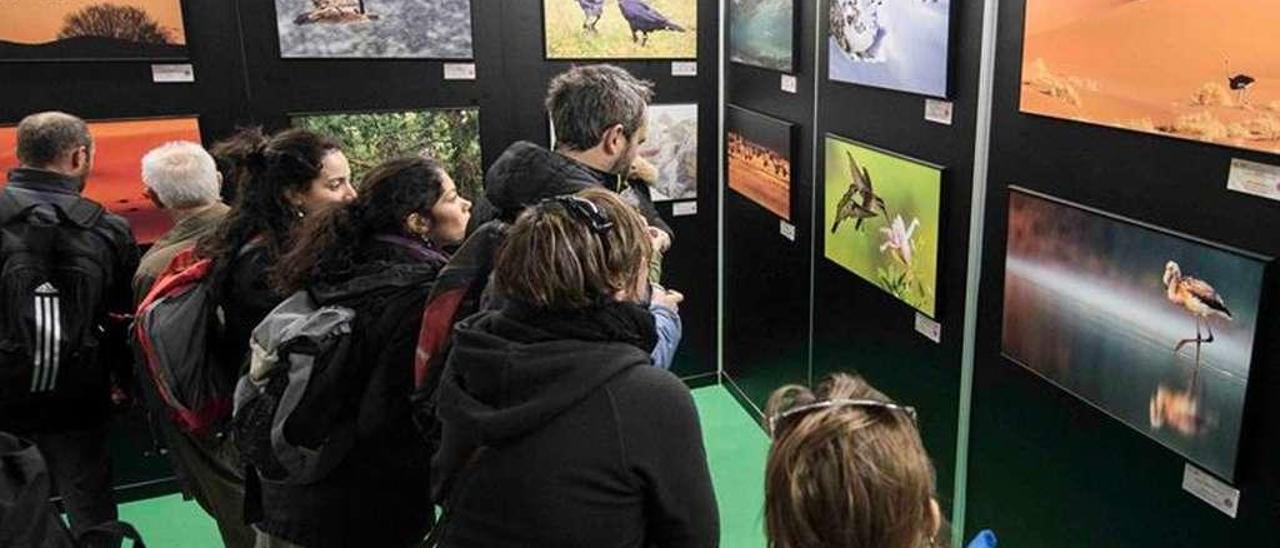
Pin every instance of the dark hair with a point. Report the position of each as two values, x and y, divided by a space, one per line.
289 160
587 100
232 157
329 243
45 136
554 258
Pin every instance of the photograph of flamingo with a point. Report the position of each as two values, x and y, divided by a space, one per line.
1151 327
367 29
92 30
116 179
901 45
762 32
1191 69
620 29
881 214
760 150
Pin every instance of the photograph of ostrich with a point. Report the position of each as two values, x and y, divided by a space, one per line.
620 29
760 159
762 33
368 29
115 181
1189 69
92 30
1151 327
898 45
883 209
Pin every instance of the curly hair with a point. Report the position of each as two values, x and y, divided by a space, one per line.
232 157
290 160
328 245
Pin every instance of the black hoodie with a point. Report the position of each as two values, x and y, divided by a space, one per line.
527 173
585 443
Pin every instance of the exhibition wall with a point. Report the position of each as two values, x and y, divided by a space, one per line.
242 79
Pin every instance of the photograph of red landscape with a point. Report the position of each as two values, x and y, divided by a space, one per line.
1192 69
116 180
760 159
91 30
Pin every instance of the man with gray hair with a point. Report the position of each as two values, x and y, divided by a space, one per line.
65 275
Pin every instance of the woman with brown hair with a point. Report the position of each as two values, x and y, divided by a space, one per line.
557 430
847 470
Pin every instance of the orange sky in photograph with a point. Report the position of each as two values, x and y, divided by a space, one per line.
38 21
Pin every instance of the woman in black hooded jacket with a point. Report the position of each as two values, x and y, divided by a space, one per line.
379 257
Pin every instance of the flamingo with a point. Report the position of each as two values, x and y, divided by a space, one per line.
1197 297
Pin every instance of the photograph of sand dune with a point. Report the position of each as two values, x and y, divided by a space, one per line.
1191 69
1151 327
92 30
116 179
760 159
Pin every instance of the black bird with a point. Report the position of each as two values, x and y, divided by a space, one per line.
1239 83
644 20
591 10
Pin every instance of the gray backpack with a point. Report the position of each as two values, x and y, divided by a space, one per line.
293 420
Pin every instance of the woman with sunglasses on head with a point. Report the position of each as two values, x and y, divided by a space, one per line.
847 470
557 431
379 257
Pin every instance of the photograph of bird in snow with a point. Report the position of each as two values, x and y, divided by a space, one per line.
901 45
1151 327
367 29
621 29
881 217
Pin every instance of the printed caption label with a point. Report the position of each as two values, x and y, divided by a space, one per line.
789 83
1254 178
684 209
926 326
459 71
684 68
1211 490
938 112
788 230
183 73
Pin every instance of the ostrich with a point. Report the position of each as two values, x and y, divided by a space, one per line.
1197 297
1239 83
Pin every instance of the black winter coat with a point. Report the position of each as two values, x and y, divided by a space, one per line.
586 444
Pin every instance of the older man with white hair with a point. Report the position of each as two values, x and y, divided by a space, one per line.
183 180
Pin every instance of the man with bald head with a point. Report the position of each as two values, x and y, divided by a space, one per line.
66 268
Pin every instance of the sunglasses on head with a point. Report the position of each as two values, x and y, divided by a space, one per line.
585 211
777 419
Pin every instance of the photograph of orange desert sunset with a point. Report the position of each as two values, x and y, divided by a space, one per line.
72 30
1195 69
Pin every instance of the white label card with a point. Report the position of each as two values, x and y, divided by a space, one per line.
459 71
1254 178
789 83
926 326
788 230
684 68
938 112
183 73
684 209
1211 490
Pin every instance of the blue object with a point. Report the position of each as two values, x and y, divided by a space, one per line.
985 539
670 329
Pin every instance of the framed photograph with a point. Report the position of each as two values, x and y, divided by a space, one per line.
1151 327
451 136
760 151
672 147
762 33
92 30
1189 70
881 214
900 45
620 29
374 29
116 180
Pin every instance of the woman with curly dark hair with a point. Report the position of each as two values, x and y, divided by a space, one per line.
378 256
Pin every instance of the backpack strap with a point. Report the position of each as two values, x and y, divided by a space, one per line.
110 532
434 536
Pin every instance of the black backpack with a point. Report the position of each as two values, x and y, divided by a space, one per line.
56 262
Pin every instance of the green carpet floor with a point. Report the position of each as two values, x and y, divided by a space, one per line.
736 448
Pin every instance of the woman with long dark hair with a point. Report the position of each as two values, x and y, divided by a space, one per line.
379 257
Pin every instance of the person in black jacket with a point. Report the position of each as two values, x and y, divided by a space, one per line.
55 385
556 429
378 256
